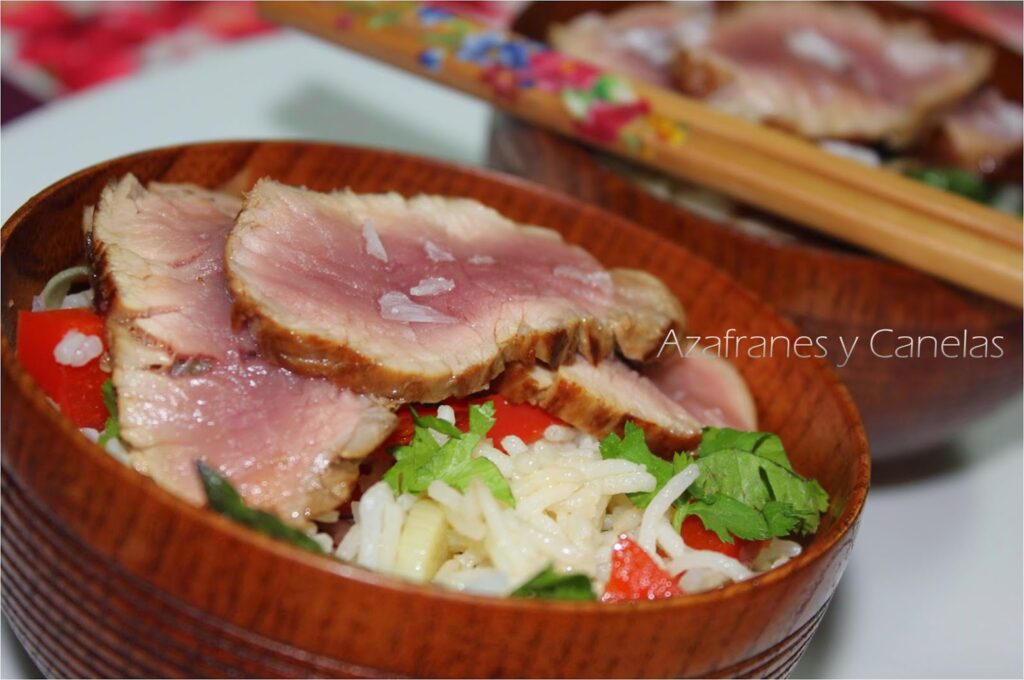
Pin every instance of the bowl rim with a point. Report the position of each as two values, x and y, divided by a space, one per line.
26 388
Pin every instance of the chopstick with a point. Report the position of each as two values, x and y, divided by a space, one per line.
879 210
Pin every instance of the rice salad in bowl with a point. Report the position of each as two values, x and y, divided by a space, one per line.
571 517
582 479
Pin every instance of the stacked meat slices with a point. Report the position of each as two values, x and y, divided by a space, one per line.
346 306
191 388
822 70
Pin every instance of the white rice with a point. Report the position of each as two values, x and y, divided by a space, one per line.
570 509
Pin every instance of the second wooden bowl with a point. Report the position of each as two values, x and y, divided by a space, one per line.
828 290
105 574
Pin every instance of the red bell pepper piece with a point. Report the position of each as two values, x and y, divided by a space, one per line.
525 421
636 576
698 537
77 390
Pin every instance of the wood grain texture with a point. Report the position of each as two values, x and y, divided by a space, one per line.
827 289
105 574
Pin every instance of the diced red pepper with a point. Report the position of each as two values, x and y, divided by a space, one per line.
698 537
525 421
77 390
636 576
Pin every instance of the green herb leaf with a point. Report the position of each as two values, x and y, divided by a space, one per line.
954 180
632 446
423 460
549 585
481 418
681 461
763 444
435 423
780 518
112 428
485 471
756 481
746 486
726 517
223 498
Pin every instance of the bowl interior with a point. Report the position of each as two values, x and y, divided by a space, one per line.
799 399
48 238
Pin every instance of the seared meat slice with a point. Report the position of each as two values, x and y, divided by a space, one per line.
426 298
189 387
983 134
829 71
708 387
639 41
601 398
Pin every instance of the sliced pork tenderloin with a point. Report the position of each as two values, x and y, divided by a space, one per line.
707 386
639 40
601 398
829 71
189 387
670 399
426 298
984 133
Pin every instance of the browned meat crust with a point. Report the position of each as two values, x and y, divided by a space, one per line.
588 405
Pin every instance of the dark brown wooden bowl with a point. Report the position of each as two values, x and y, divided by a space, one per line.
825 288
105 574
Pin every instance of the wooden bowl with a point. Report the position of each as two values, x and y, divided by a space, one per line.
105 574
827 289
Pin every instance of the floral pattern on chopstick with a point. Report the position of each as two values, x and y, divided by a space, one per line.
602 106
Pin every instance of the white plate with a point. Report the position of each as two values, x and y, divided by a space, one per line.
934 584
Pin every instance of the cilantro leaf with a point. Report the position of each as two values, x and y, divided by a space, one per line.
746 486
481 418
112 428
780 518
763 444
725 516
632 446
435 423
423 460
756 481
224 499
549 585
681 461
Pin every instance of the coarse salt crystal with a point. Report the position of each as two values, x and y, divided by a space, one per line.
432 285
599 279
812 46
77 349
395 306
436 253
374 247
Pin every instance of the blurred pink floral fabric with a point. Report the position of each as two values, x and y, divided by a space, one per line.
54 48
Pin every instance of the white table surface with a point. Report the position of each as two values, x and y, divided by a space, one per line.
934 586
